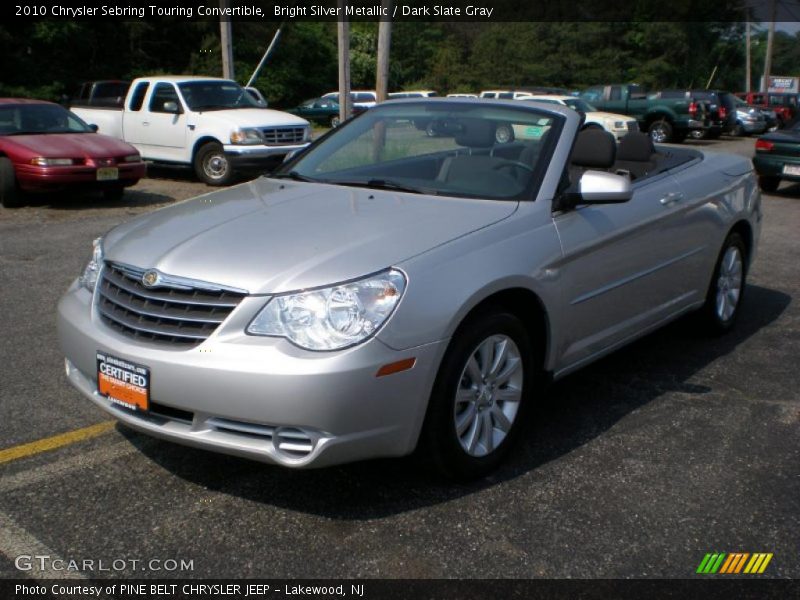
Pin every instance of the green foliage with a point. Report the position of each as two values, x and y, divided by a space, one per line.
48 58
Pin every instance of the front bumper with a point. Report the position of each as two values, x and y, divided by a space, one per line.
260 398
35 178
255 157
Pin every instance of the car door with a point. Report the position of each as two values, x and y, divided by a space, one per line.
621 271
159 130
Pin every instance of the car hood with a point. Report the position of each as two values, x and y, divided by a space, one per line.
254 117
70 145
269 236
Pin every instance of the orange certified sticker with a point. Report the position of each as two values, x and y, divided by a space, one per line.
123 382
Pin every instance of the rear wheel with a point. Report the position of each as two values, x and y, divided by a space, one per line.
335 121
769 184
660 132
699 134
10 195
212 166
479 396
725 292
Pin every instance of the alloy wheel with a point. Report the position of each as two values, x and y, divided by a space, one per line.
488 395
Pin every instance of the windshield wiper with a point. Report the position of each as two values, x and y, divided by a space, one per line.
294 175
384 184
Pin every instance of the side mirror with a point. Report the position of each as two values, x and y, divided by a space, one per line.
171 107
93 127
600 187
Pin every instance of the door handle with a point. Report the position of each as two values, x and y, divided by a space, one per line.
146 123
672 198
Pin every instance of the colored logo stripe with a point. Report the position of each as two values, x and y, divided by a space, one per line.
733 563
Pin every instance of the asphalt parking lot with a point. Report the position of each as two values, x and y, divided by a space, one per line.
636 466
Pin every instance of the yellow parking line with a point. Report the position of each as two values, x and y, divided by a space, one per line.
56 441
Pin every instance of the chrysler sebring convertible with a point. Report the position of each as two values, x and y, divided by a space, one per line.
387 291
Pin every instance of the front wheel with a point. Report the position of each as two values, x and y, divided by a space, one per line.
479 396
660 131
725 292
212 166
504 134
335 120
10 195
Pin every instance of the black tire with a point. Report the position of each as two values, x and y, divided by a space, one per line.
738 130
661 131
768 183
10 194
713 318
431 129
112 194
700 134
212 166
440 444
335 121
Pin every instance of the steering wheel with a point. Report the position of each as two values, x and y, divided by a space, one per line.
513 164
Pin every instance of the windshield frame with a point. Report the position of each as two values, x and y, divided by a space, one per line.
288 169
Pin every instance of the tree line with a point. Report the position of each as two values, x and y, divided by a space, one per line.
47 59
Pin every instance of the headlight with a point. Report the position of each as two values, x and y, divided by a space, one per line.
247 136
52 162
619 124
88 278
132 158
335 317
307 134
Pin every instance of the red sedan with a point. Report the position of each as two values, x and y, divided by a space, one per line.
46 148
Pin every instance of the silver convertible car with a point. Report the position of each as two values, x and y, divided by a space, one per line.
388 290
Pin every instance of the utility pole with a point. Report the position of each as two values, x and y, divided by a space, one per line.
768 58
345 102
747 82
226 41
384 45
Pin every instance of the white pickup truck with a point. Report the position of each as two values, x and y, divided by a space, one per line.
209 123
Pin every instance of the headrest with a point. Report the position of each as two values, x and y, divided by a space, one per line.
594 148
476 133
635 146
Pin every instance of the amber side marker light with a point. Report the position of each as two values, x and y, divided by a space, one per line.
396 367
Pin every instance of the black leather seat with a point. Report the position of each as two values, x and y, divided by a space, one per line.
636 154
594 149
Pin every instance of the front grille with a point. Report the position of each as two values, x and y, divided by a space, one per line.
284 135
175 313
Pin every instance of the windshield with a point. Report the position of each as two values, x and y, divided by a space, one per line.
21 119
215 95
442 148
579 105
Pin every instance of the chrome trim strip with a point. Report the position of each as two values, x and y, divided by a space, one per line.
143 294
175 281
